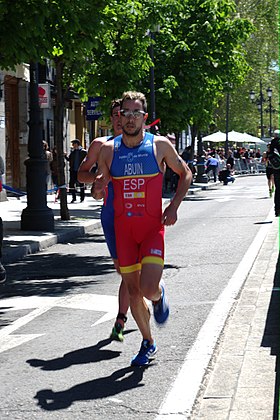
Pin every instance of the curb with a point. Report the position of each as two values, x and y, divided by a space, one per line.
14 250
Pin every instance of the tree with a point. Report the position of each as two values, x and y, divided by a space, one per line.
203 51
262 56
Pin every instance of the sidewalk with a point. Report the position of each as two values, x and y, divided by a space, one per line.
242 381
84 217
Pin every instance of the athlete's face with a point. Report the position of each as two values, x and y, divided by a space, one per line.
133 122
116 121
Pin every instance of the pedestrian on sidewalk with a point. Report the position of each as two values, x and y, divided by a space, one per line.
75 158
86 175
49 158
212 165
135 162
2 269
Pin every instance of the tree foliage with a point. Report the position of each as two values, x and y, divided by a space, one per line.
262 56
201 53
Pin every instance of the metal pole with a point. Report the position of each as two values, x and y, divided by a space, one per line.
270 117
36 216
227 120
152 80
261 109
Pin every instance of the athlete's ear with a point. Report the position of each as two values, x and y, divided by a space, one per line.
146 116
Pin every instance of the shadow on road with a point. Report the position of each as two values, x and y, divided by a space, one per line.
86 355
271 336
120 381
50 274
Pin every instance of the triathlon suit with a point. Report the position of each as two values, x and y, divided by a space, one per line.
268 168
137 183
107 219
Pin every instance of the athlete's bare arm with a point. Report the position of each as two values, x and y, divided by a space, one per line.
103 172
165 152
84 173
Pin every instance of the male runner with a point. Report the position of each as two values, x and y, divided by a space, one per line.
135 161
107 214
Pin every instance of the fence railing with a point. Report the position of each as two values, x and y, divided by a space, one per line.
248 166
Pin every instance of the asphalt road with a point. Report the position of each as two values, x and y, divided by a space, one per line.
57 312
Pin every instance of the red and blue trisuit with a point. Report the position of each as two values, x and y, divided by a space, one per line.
137 183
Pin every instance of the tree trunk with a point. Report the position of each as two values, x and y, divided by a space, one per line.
58 139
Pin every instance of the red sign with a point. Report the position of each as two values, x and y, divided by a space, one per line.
44 95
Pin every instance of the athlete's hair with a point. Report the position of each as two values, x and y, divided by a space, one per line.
114 104
134 96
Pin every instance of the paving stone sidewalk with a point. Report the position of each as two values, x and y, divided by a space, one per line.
242 382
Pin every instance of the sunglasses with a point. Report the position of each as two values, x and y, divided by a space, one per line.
133 114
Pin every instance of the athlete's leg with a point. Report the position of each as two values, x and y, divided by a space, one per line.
138 306
123 299
107 221
149 281
277 193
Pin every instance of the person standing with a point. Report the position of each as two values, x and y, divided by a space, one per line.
75 158
135 162
274 159
2 269
86 175
49 158
212 165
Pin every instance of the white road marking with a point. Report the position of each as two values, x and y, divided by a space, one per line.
179 401
12 341
42 304
224 199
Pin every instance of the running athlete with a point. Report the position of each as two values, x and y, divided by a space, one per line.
135 162
268 171
86 175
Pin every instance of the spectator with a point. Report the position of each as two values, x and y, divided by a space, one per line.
54 168
2 269
75 158
212 165
49 157
226 176
230 159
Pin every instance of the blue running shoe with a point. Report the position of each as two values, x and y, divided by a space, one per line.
145 355
161 309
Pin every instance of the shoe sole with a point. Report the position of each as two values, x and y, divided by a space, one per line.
117 338
161 323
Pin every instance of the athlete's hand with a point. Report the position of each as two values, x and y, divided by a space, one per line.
169 216
97 195
98 187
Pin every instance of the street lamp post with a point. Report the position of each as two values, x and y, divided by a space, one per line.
227 121
259 102
269 94
37 215
151 34
152 77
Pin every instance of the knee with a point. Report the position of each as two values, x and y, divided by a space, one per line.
134 291
149 291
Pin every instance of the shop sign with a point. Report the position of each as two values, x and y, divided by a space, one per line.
92 113
44 92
